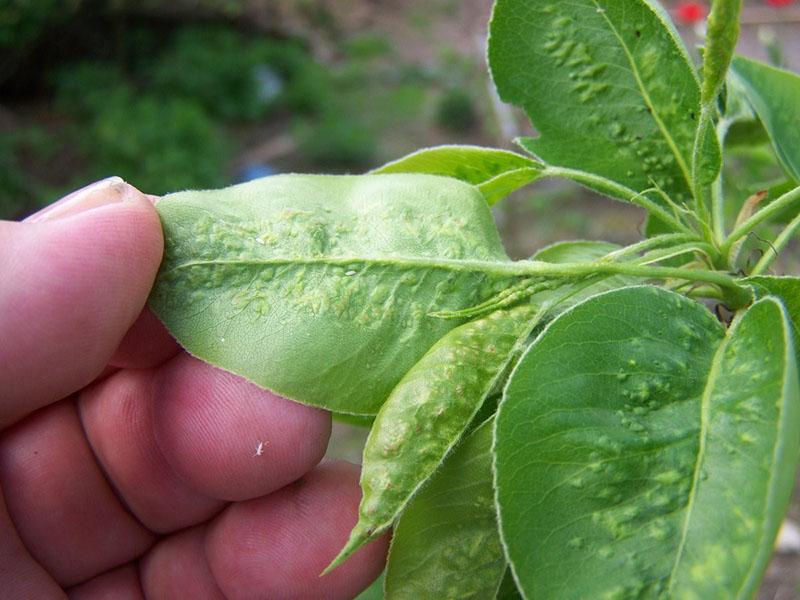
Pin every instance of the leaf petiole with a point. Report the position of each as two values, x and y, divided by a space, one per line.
784 237
615 190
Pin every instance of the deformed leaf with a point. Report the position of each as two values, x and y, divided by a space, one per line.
643 452
320 287
773 94
428 412
608 85
496 173
446 544
722 32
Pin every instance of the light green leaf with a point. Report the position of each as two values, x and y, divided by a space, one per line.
642 452
320 287
496 173
609 86
573 251
773 94
446 544
428 412
722 32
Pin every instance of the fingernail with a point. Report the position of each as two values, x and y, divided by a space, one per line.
99 193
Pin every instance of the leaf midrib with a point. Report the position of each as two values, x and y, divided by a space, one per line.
499 268
646 96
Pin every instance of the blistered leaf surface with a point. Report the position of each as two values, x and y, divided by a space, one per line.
320 287
641 453
427 413
607 84
446 545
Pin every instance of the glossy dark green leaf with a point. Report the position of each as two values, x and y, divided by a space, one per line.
496 173
773 94
609 87
508 588
321 287
428 412
446 544
642 452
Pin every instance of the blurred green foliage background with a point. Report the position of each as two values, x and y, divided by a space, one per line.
201 96
205 93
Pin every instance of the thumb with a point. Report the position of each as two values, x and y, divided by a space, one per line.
74 278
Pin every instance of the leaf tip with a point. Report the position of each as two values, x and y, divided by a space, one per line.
358 537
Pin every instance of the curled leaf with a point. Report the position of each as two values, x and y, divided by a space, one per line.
427 413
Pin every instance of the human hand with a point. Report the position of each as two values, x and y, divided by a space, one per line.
127 467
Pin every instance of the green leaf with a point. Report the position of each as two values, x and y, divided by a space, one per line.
642 452
374 591
722 32
446 544
739 125
428 412
508 588
320 287
496 173
785 288
773 94
609 86
573 251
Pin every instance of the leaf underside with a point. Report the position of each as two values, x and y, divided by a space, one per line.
609 87
643 453
428 412
320 288
446 544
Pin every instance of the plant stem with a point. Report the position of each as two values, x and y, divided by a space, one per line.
649 244
737 295
701 209
673 251
616 190
779 244
717 192
766 213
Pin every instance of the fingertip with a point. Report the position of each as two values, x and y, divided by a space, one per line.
73 285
